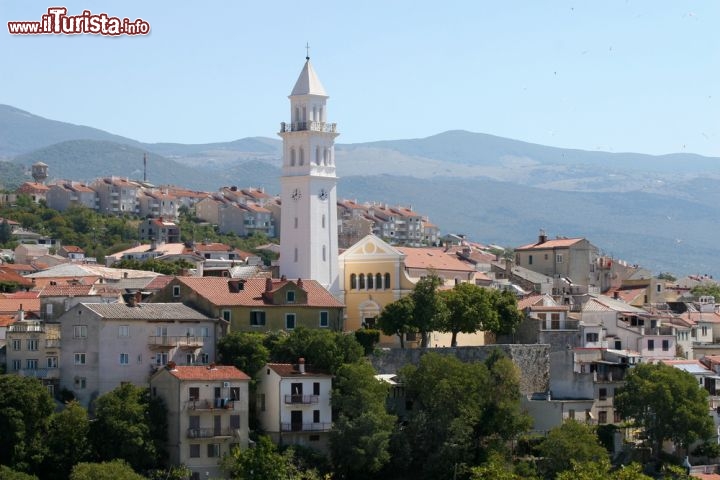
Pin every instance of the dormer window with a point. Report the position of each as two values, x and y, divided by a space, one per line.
290 296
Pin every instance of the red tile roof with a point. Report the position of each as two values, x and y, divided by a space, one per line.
433 258
217 372
66 290
556 243
213 247
73 249
10 275
216 290
22 294
527 302
12 305
158 282
290 370
7 320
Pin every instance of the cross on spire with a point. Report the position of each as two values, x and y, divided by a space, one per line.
307 51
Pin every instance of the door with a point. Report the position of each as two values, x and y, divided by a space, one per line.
296 420
217 426
296 392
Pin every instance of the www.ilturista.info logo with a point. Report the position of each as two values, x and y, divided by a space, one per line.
57 21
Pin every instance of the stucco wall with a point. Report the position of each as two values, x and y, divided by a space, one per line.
533 361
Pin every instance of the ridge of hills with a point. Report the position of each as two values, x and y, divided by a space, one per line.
658 211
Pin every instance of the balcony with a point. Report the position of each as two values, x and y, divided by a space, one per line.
163 342
209 432
41 373
305 427
26 328
211 404
301 399
311 126
52 343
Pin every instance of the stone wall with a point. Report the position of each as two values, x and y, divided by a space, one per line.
533 361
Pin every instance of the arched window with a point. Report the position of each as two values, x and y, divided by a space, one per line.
361 283
292 157
326 156
370 281
353 281
314 117
387 280
302 156
323 221
304 117
297 115
317 155
322 114
296 222
296 254
378 281
324 253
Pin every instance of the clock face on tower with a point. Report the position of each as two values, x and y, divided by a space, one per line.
296 194
323 194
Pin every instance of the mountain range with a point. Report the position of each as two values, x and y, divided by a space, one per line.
658 211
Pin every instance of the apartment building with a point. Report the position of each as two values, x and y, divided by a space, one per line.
117 195
33 350
66 194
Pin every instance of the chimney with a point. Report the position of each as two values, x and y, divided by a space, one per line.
542 238
171 365
268 284
616 295
300 283
301 365
21 314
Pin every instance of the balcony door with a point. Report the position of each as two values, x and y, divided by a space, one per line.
296 390
296 420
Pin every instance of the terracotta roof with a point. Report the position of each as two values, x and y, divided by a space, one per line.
65 290
627 295
213 247
158 283
19 267
217 291
9 275
12 305
217 372
290 370
706 476
22 294
556 243
73 249
32 187
549 308
433 258
694 317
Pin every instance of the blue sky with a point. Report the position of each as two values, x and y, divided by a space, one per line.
613 75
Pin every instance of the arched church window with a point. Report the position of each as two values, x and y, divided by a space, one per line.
317 155
323 221
378 281
296 254
324 254
302 156
370 281
361 281
297 115
387 280
326 156
353 281
292 157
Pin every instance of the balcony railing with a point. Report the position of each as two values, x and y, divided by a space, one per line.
312 126
181 341
210 404
42 373
209 432
24 328
306 427
52 343
301 399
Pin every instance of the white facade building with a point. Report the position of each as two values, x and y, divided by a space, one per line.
309 229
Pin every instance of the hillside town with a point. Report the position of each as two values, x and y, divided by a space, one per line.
582 321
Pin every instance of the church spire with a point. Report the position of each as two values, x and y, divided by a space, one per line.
308 82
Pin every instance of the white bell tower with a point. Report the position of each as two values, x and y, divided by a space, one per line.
308 227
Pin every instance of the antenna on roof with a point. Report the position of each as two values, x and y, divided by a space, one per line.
307 51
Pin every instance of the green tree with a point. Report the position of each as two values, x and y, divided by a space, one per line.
429 311
7 473
469 308
666 276
322 349
112 470
570 442
67 441
396 318
25 409
509 317
265 462
244 350
360 436
667 403
496 468
5 232
601 470
712 289
130 425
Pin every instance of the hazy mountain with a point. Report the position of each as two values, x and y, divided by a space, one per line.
659 211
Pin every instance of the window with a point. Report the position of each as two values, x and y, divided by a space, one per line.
651 345
257 318
529 259
31 364
378 281
194 450
190 358
16 365
353 281
558 258
295 223
602 416
194 393
123 331
591 337
602 394
324 319
324 253
161 331
51 362
176 291
618 418
323 221
79 359
203 332
234 421
261 401
289 321
161 358
316 388
204 358
16 344
361 281
32 344
290 296
316 416
666 345
79 331
387 280
704 329
213 450
81 383
370 281
124 359
227 315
